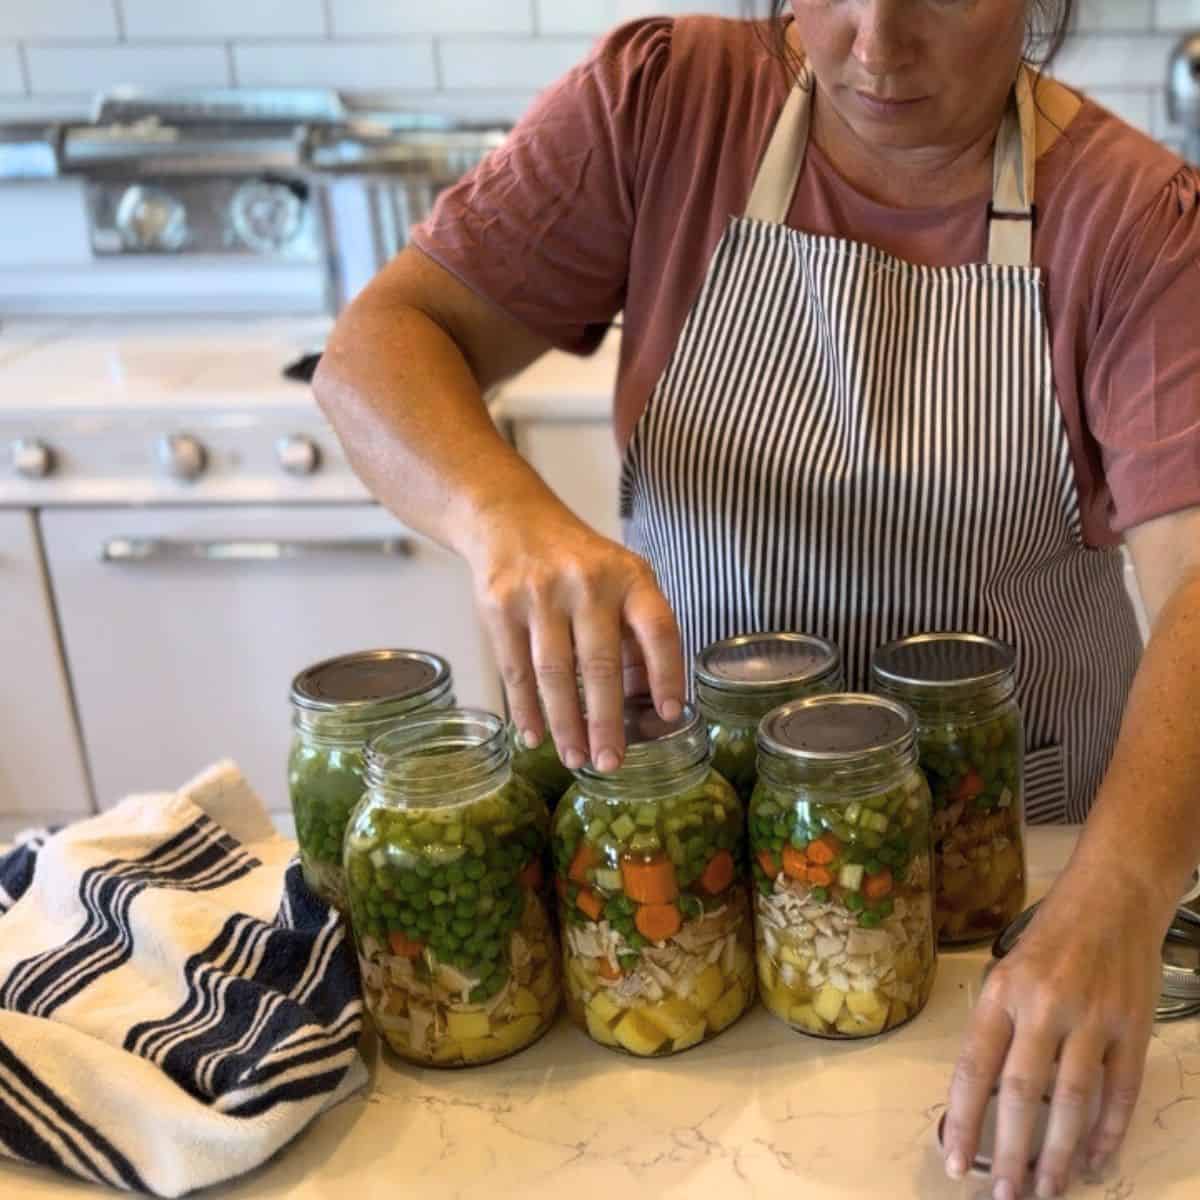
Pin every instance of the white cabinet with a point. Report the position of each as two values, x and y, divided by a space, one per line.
42 776
183 650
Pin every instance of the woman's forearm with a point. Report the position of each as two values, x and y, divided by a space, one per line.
1144 831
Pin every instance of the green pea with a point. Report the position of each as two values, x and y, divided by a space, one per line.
819 894
869 920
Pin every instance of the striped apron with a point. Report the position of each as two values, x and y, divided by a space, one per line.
850 445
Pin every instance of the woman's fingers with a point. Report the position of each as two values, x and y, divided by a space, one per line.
649 618
1024 1080
553 655
598 656
1072 1109
510 641
975 1076
1124 1066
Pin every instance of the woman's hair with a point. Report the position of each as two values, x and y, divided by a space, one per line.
1048 26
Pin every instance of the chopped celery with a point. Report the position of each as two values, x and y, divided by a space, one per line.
622 828
608 879
645 843
875 820
718 813
597 829
851 876
674 824
646 816
853 812
675 848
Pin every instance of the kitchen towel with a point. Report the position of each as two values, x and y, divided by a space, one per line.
175 1005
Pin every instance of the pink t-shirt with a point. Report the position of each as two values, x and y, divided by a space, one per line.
615 188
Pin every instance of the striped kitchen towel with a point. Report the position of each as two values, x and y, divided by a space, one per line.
175 1005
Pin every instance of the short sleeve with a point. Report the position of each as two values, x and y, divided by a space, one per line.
543 227
1142 379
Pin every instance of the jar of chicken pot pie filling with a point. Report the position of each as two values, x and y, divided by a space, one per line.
842 863
653 898
971 743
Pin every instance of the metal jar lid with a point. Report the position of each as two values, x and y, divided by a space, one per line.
655 745
940 662
766 662
369 678
837 729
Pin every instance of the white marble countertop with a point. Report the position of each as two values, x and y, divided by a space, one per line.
758 1112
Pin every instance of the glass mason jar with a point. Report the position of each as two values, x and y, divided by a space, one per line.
337 706
972 746
839 830
653 903
447 899
741 679
541 767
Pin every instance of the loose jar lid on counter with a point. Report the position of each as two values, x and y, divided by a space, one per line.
941 661
834 729
370 677
766 662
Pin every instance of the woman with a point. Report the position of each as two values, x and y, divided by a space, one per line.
904 348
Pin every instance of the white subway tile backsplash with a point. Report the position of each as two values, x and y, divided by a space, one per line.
94 68
12 79
1178 14
407 65
1115 14
357 18
219 20
576 16
1115 61
508 63
1136 107
50 19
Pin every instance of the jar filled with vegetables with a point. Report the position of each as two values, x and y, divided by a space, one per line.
972 748
337 706
741 679
444 869
653 901
839 830
541 767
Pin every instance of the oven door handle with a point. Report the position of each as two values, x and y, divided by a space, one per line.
129 551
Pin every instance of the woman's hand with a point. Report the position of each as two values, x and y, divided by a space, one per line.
1066 1014
561 600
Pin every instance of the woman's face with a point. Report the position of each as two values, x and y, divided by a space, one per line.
911 74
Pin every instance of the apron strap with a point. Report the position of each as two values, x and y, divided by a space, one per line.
1010 214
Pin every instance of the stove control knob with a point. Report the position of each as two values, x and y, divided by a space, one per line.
32 459
298 454
182 456
151 219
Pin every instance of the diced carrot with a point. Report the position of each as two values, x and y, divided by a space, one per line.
823 850
531 875
795 865
586 857
875 887
590 903
606 970
718 875
657 922
820 876
649 882
769 865
971 786
403 948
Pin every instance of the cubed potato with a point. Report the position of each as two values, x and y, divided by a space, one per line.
526 1002
673 1016
797 958
854 1026
727 1009
463 1026
600 1030
805 1016
691 1037
638 1035
580 977
866 1004
708 988
481 1049
899 1012
829 1002
780 1001
513 1035
446 1050
766 971
604 1007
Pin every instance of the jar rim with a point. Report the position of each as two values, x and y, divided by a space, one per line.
823 660
885 727
678 744
951 662
388 677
